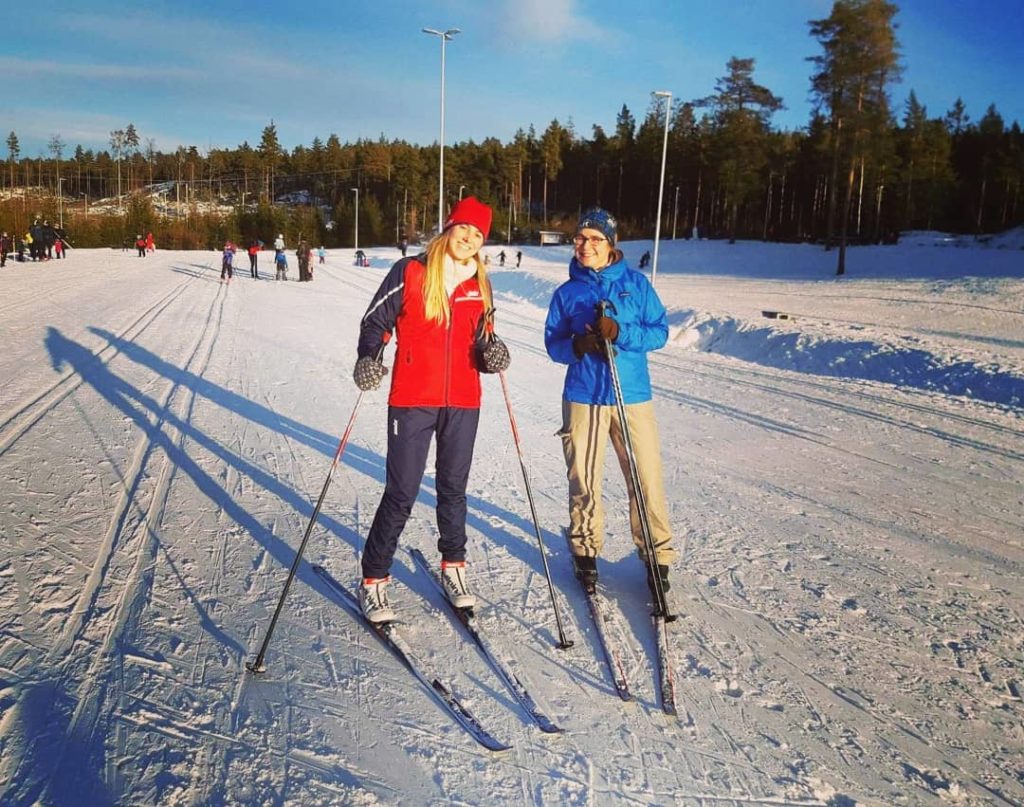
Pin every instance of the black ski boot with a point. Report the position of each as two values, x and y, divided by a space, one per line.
585 568
663 576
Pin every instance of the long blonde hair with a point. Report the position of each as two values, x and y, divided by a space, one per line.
435 296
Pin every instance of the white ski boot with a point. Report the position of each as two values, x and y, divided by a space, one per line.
453 578
373 599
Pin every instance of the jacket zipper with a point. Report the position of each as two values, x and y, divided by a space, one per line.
448 348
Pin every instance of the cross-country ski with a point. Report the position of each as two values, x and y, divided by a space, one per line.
498 661
390 634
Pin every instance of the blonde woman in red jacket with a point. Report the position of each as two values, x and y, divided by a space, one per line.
438 304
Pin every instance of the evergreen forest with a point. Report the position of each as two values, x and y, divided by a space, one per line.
859 172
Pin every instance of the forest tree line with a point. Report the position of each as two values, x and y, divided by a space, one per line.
859 172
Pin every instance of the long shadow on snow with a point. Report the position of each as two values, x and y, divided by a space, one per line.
44 712
136 406
365 462
126 398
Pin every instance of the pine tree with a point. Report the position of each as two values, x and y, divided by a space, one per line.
552 141
13 150
270 155
741 110
859 59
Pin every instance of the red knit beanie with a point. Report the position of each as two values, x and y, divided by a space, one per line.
471 211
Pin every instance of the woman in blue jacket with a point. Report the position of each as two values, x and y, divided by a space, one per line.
634 322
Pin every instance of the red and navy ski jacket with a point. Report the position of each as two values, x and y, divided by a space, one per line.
434 362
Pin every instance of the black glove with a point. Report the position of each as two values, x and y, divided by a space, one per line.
368 373
607 328
590 342
492 355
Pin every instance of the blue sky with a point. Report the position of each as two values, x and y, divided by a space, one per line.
215 72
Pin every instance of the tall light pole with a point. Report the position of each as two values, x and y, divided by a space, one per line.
356 217
60 200
661 185
460 191
445 36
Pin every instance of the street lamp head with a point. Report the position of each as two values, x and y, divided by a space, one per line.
663 93
354 189
448 34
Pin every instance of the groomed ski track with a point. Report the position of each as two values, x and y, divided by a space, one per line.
849 589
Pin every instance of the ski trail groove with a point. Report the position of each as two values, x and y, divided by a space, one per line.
130 541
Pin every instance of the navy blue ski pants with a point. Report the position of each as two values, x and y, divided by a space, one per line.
409 432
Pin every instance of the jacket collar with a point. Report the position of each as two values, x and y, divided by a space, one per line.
609 274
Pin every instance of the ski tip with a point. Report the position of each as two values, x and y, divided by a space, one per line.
565 644
254 668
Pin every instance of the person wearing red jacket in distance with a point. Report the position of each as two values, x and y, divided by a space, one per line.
439 305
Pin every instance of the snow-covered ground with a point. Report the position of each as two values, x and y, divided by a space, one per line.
845 484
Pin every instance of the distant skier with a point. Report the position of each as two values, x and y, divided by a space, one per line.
501 258
254 254
645 259
6 245
281 264
140 246
36 248
227 262
303 253
150 243
321 253
519 257
49 239
575 334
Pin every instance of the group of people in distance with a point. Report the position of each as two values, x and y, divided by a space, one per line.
304 253
440 305
42 242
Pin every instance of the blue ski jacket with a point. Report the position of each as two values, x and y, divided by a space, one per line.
643 327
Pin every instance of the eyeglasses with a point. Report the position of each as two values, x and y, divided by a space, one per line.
594 240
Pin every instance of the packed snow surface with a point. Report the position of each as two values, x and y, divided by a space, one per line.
844 461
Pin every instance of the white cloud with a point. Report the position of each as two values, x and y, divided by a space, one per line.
37 124
549 20
40 67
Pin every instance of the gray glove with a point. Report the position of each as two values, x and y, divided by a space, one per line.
368 373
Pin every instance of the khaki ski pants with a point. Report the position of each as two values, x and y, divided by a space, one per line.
585 432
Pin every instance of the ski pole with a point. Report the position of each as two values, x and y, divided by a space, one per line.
563 643
257 666
660 601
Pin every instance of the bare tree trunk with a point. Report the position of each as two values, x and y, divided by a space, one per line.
831 217
878 210
844 224
860 196
545 194
981 206
696 204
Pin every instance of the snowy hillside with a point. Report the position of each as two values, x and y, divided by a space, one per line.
845 481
